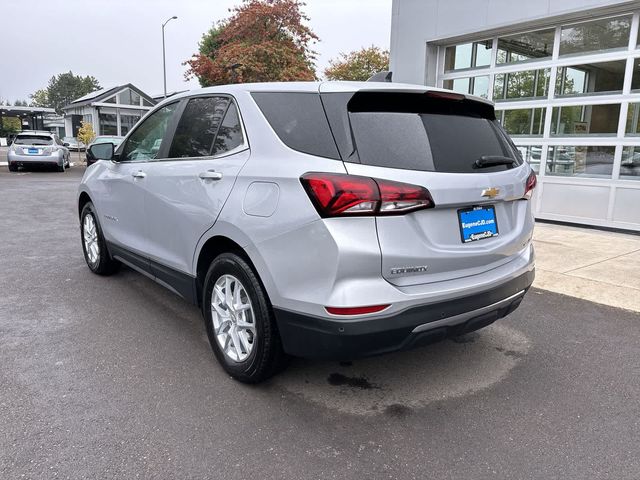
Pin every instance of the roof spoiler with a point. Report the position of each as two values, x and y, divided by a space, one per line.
383 76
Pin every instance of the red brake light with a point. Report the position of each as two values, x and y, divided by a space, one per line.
355 310
445 95
530 184
399 197
335 194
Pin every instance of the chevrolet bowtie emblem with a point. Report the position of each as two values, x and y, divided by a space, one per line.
490 192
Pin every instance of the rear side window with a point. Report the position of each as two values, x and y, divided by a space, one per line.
413 131
198 127
299 121
230 132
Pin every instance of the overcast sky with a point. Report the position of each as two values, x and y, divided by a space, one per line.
120 41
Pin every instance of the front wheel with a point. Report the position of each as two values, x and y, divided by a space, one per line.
240 324
94 245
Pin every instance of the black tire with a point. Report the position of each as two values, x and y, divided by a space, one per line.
267 357
13 168
104 264
60 168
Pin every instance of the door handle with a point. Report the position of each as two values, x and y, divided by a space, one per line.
139 174
210 175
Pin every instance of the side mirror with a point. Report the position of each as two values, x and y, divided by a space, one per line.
102 151
65 144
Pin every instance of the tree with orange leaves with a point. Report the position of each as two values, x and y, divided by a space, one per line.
262 41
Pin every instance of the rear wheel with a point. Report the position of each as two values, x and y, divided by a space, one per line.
93 244
13 168
60 167
240 323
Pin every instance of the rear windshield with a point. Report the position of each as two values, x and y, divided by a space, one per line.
416 132
33 140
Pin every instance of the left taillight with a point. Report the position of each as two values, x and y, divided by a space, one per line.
530 185
339 195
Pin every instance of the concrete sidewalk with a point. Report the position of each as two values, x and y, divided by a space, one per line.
600 266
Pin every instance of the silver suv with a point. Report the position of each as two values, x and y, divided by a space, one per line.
321 220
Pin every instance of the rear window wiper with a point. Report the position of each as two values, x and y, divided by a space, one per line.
493 161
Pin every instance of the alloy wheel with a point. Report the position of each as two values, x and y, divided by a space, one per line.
233 318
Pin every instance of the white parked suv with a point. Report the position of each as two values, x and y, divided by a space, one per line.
37 148
321 220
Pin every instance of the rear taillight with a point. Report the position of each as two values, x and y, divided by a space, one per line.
530 185
336 195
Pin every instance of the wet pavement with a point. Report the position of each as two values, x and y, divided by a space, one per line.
114 378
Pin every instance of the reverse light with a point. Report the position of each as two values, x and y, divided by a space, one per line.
530 185
336 195
356 310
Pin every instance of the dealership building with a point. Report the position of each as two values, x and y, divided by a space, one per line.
565 79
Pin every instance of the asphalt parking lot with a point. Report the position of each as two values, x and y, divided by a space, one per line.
114 378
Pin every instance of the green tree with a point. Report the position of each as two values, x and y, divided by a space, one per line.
264 40
63 89
359 65
21 103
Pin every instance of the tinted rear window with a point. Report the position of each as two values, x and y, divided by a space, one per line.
33 140
416 132
299 121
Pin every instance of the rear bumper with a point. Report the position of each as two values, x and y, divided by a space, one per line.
326 338
23 160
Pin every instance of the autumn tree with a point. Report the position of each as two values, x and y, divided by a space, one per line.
86 134
359 65
262 41
63 89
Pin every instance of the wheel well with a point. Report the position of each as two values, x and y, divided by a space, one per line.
210 250
84 199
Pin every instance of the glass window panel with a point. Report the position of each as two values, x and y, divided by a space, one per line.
596 35
468 55
127 122
526 46
483 53
146 103
460 85
523 121
145 142
580 161
526 84
110 100
481 86
630 163
230 133
635 79
474 85
108 124
531 154
129 97
633 119
594 78
198 126
585 120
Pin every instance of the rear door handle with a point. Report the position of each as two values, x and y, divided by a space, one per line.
210 175
139 174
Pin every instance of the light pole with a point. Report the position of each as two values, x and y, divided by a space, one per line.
164 61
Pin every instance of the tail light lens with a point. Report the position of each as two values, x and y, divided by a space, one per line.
356 310
336 195
530 185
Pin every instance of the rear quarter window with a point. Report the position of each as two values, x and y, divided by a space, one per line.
299 121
